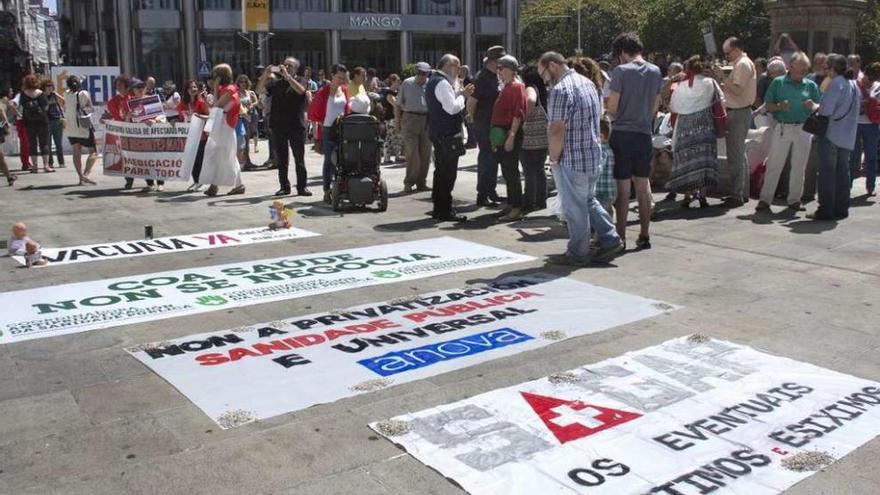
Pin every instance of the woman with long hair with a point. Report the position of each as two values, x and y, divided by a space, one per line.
80 133
330 102
220 165
34 108
533 154
245 130
588 68
193 105
694 143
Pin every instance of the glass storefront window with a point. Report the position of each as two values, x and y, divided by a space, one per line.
308 48
221 4
301 5
437 7
429 48
155 45
382 54
230 48
371 6
158 4
490 8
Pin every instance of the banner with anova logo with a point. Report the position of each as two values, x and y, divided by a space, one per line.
690 416
328 356
163 245
145 151
61 309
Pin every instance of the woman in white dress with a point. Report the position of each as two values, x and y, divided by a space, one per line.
220 166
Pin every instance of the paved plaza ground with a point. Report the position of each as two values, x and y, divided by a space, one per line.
78 415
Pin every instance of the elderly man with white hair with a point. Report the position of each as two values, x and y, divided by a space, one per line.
789 99
445 100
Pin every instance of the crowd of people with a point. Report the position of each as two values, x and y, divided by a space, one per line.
596 122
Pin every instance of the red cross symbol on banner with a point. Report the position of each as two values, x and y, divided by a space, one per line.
571 420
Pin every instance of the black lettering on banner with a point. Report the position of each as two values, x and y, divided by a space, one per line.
193 346
827 419
590 477
716 474
291 360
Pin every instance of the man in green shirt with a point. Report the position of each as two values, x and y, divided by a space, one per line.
786 100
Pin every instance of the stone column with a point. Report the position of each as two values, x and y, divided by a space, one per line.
126 37
469 44
190 39
405 37
335 38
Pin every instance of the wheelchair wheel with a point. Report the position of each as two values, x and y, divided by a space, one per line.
336 197
383 196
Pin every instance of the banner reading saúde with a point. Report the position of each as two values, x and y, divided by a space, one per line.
163 245
324 357
687 417
99 82
145 151
62 309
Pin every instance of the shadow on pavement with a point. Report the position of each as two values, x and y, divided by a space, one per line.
51 187
811 226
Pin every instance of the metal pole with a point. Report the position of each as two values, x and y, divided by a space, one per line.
579 50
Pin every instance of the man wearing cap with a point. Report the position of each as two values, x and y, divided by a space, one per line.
446 100
412 113
479 111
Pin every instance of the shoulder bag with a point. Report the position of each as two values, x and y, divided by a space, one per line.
83 115
817 125
719 113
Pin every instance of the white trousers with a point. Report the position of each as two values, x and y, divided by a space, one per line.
787 139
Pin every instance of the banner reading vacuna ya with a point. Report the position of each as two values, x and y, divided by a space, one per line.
690 416
78 307
145 151
324 357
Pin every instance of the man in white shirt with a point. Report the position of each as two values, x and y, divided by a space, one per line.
445 99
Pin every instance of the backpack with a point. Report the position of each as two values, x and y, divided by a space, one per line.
32 109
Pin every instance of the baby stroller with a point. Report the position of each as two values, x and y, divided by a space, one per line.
358 179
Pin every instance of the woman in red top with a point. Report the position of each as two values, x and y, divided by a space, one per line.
507 116
117 109
220 165
193 105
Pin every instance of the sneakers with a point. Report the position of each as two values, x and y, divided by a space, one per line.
160 187
762 206
148 189
303 192
566 260
796 206
282 192
606 254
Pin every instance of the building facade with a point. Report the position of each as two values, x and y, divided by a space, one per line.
169 38
816 25
29 40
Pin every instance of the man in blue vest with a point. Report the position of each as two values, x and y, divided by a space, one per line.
446 101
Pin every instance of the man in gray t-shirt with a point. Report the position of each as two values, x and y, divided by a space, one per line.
634 100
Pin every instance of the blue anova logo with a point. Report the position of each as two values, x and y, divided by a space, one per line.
420 357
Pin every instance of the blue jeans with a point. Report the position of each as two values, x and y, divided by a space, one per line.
834 182
487 165
56 133
867 138
328 144
581 209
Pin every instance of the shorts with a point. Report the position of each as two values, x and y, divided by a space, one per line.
632 154
88 142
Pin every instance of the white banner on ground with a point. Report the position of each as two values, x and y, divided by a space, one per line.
145 151
328 356
99 82
163 245
61 309
690 416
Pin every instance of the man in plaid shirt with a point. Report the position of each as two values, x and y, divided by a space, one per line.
576 157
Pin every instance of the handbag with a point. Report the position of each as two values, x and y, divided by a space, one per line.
453 145
497 136
719 114
817 125
83 118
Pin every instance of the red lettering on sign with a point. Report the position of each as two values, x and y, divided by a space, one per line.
572 420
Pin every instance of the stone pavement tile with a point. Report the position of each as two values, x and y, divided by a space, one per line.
193 428
102 482
329 444
417 401
77 451
234 467
44 374
39 415
109 401
349 482
404 474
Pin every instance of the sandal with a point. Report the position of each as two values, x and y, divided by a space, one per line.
47 169
643 242
236 190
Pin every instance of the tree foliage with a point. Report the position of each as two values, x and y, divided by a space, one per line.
868 33
552 25
665 26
